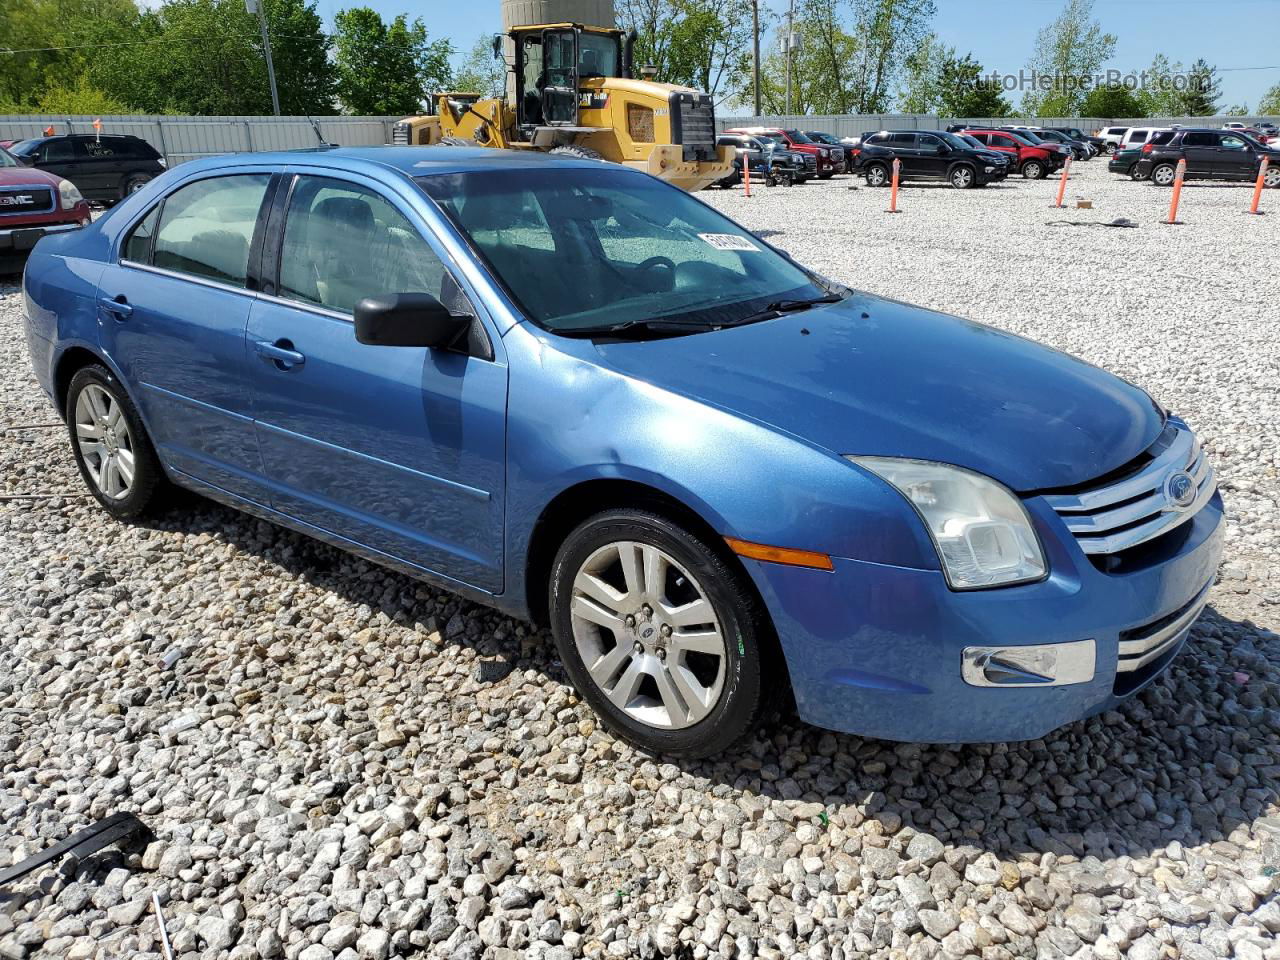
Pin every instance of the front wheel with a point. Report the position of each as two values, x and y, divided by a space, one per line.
1109 149
961 177
1164 175
574 150
1034 170
134 184
1272 178
659 634
110 444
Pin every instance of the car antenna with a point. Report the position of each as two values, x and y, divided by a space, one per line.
323 143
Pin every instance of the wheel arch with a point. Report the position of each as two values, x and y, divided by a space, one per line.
71 360
586 498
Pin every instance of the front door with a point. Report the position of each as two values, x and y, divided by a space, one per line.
933 157
560 77
400 450
1235 159
173 309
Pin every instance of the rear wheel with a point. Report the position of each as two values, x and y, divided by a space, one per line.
115 456
1109 148
961 177
1134 174
573 150
1034 170
1164 175
877 175
659 634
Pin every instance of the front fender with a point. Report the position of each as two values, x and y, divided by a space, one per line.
571 419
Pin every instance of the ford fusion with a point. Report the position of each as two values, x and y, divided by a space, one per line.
570 391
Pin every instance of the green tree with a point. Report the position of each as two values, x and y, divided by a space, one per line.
1113 101
387 69
1200 98
885 32
31 27
698 43
1068 51
1270 103
1158 94
480 71
921 92
964 92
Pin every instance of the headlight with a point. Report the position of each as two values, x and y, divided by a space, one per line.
69 194
980 529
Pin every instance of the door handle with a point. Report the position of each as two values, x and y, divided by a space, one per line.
281 353
118 307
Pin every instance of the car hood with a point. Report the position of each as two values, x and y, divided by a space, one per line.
27 176
881 378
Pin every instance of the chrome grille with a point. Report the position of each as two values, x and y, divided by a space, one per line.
26 198
1116 516
1140 646
400 135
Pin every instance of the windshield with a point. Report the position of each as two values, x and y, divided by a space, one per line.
971 141
1021 136
1026 135
775 138
7 159
798 136
580 250
25 148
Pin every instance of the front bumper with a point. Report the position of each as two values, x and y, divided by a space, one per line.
15 240
879 650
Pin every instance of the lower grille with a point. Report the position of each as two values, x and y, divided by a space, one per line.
25 199
1143 645
1170 487
400 135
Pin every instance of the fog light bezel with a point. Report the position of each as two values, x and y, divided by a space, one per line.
1039 664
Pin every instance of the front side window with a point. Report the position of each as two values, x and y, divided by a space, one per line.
137 246
343 243
597 56
1195 139
584 250
1232 142
206 227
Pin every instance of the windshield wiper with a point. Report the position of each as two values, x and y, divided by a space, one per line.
780 307
660 328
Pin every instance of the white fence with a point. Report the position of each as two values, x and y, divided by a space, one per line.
185 138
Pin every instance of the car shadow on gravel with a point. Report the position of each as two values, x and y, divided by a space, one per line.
1190 758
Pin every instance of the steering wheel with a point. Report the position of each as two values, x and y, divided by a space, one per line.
655 262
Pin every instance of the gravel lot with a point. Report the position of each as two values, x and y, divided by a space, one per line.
329 772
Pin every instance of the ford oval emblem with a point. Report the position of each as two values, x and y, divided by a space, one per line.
1180 489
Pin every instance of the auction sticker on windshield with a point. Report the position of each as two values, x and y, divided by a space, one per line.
728 241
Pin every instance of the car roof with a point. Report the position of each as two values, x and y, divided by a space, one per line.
411 161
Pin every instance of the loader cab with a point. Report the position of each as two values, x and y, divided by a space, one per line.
550 63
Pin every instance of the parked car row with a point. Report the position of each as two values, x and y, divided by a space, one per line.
1210 154
766 160
104 168
33 203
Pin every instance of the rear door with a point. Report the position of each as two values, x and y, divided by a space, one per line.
560 70
400 450
172 313
105 164
1201 149
65 157
904 148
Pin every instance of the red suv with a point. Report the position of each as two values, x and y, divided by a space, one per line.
830 160
33 203
1033 161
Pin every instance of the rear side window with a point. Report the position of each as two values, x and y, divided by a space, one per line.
903 139
878 138
1164 136
343 243
206 227
104 149
137 246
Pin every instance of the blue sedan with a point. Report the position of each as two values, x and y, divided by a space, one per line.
573 392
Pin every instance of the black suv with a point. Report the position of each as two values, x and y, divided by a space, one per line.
928 155
1210 154
1075 133
106 168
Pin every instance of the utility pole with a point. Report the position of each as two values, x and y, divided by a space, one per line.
755 52
791 35
255 6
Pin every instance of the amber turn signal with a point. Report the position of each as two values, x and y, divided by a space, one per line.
787 555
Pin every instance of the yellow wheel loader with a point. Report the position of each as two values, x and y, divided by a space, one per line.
572 92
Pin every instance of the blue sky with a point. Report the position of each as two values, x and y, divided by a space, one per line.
1001 33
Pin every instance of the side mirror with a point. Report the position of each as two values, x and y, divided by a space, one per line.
409 320
497 46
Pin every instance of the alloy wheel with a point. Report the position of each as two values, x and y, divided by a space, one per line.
1272 179
962 178
648 635
105 441
1163 176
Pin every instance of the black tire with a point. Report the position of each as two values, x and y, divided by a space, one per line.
1034 170
1109 148
825 176
877 175
1134 174
962 176
750 650
1163 174
1272 179
573 150
133 184
149 481
458 142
